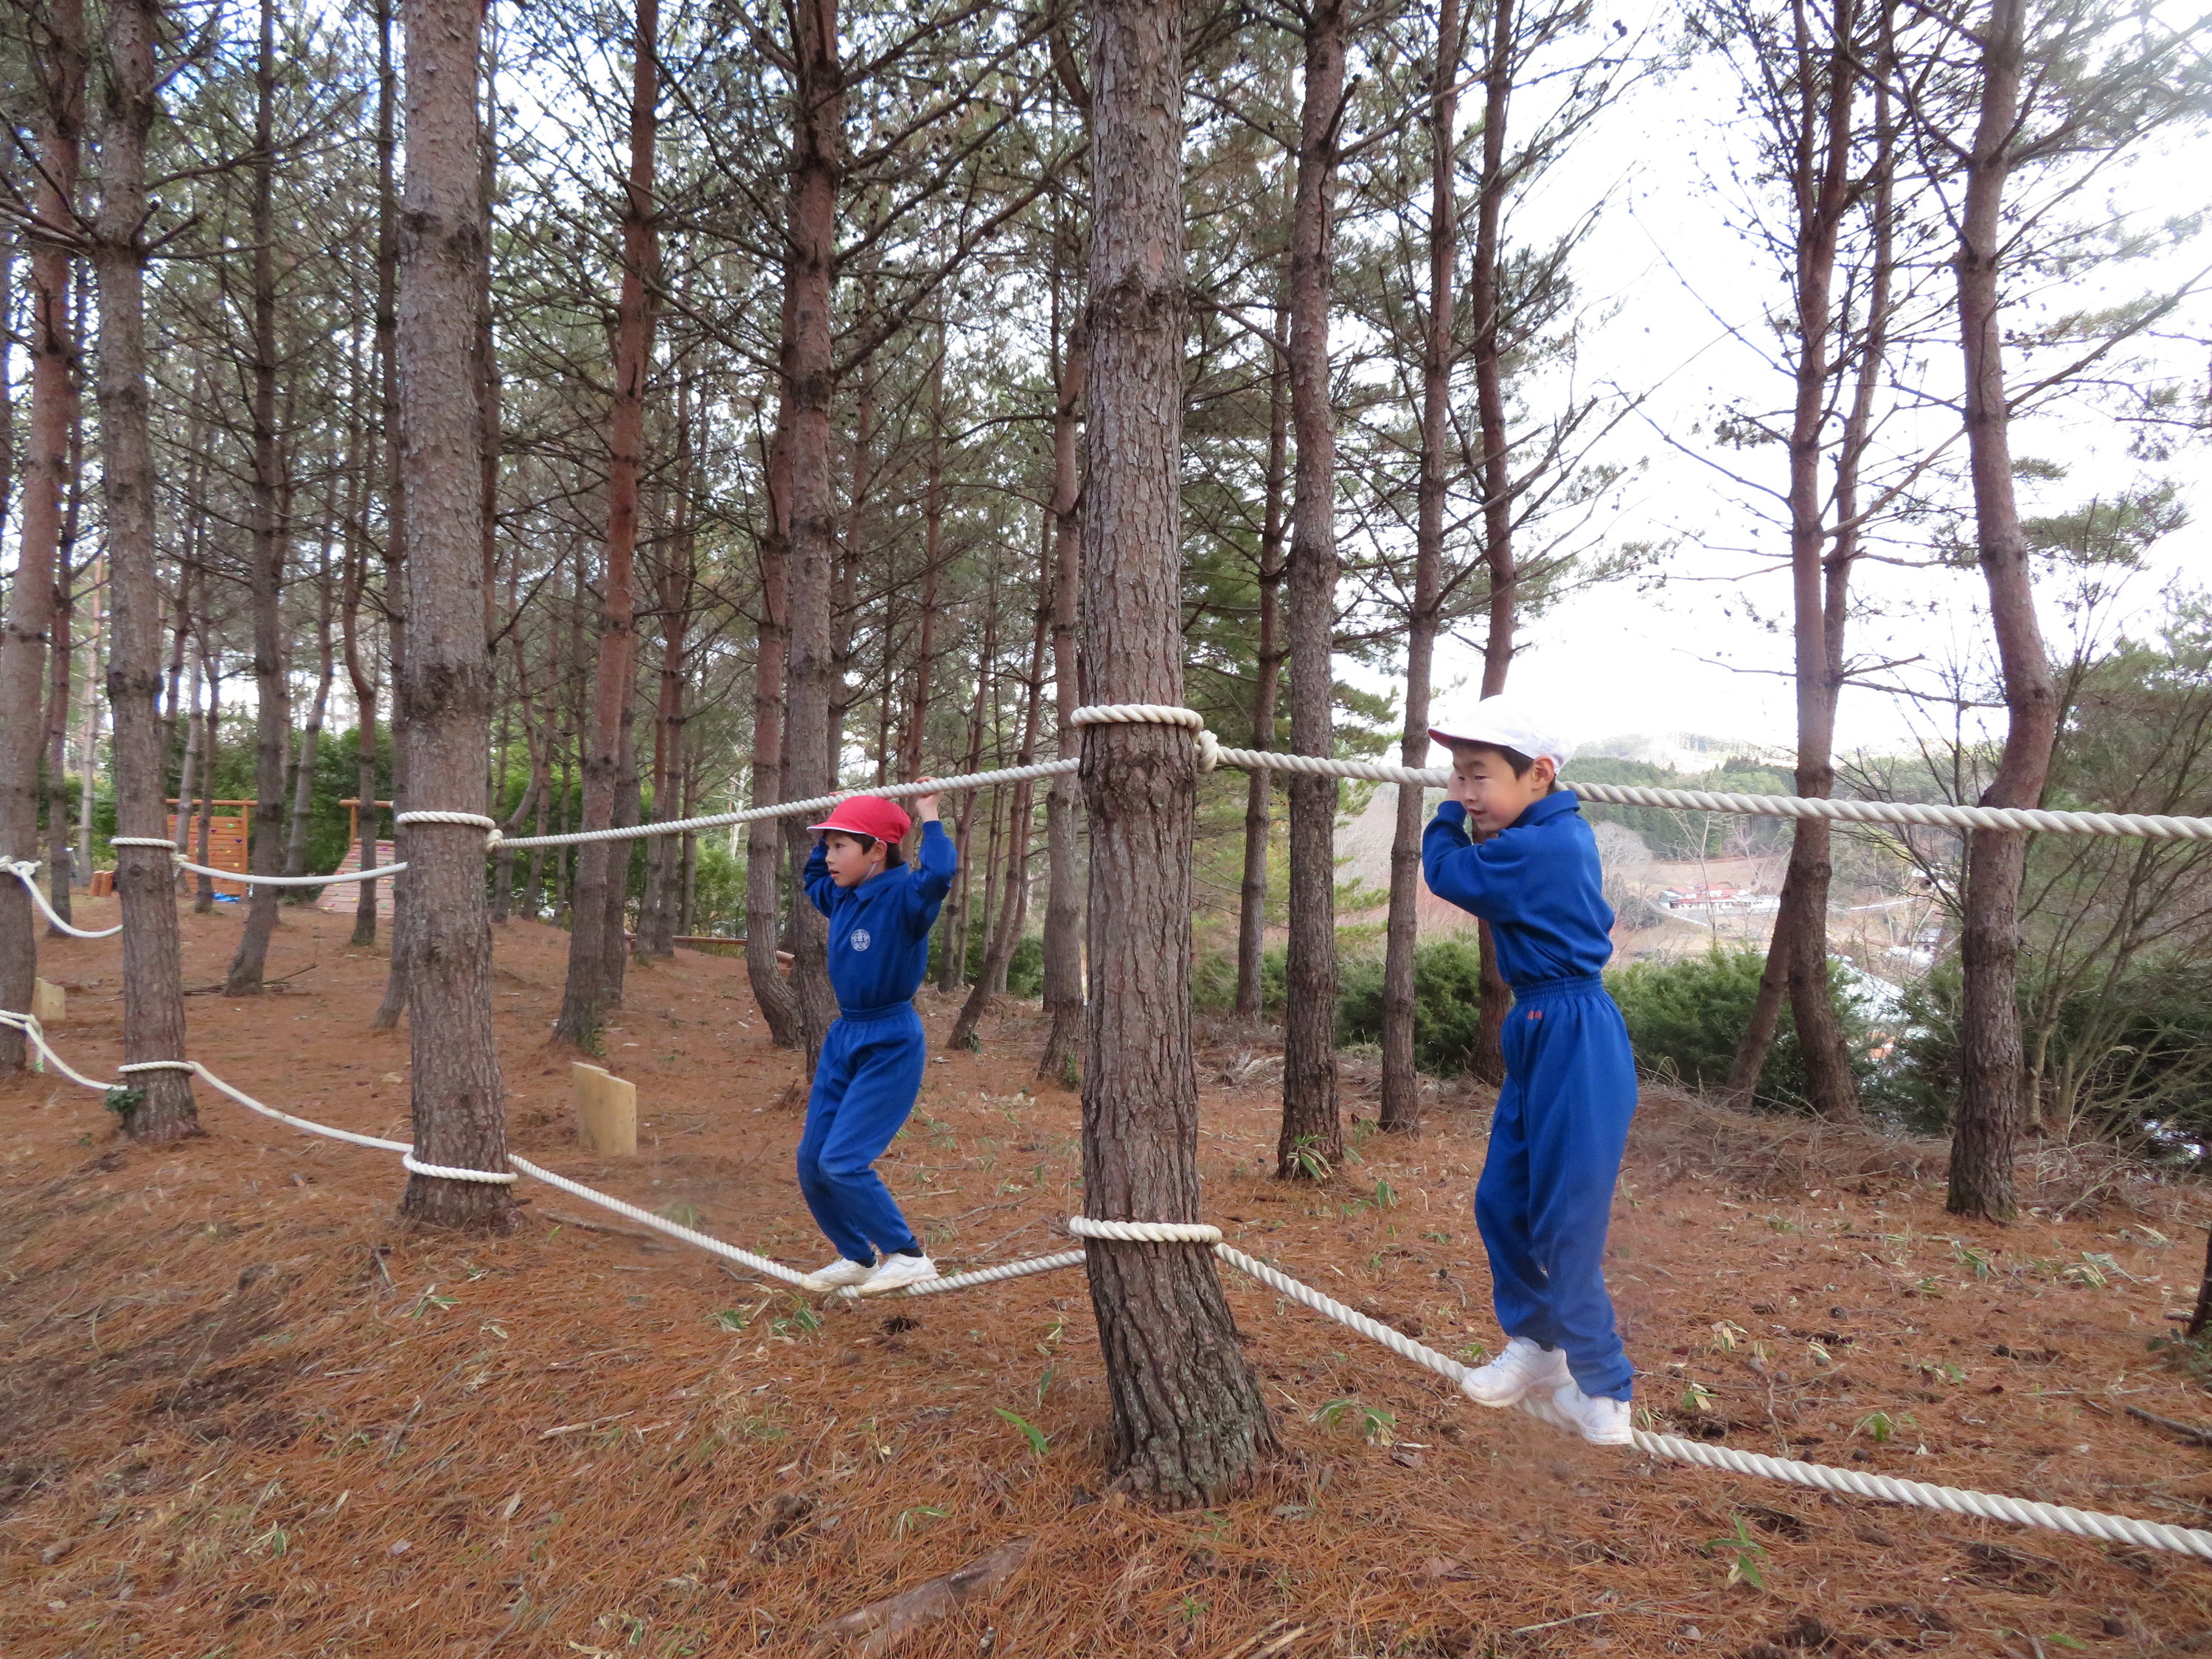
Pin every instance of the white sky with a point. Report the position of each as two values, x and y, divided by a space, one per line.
1621 659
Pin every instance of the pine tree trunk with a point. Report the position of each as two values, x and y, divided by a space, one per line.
1400 1108
1063 906
23 635
444 685
1824 186
394 1003
54 787
1986 1130
1312 1138
302 779
272 691
1189 1426
1266 687
772 992
806 375
1006 935
604 866
1486 1062
153 995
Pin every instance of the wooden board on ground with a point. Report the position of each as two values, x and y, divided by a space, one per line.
606 1112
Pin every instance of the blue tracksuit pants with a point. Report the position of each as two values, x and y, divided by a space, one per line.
864 1086
1546 1193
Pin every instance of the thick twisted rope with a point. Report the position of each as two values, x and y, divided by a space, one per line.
27 871
1212 752
1954 1500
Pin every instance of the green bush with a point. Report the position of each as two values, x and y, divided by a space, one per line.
1686 1017
1213 982
1447 1004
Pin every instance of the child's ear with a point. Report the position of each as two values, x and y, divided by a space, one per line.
1545 771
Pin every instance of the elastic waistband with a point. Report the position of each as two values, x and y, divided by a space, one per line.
884 1012
1544 990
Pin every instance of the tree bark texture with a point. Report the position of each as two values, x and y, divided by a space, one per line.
1189 1424
1825 186
445 682
1267 689
1487 296
1312 1139
1063 905
60 70
394 1002
1986 1130
272 726
600 864
806 377
772 992
1400 1108
153 996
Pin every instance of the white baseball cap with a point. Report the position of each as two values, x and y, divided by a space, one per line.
1503 724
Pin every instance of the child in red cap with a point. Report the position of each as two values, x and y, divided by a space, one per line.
880 913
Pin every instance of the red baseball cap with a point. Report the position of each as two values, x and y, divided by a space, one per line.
867 815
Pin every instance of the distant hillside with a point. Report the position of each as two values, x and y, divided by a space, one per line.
1686 751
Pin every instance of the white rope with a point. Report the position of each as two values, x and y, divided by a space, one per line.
141 840
812 804
334 879
414 1165
1144 1233
1036 1264
35 1034
469 820
27 871
2151 826
159 1066
1137 714
1956 1500
759 1264
1374 1329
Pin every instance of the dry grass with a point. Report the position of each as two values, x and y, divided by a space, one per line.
248 1414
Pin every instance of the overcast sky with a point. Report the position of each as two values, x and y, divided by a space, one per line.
1685 658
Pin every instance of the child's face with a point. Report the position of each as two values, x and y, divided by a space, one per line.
850 863
1484 783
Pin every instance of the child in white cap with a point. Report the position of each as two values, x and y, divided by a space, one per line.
1546 1193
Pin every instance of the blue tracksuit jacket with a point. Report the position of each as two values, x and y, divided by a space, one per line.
869 1071
1556 1139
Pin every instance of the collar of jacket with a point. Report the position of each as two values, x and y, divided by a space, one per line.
1555 805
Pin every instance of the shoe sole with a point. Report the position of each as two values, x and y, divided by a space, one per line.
893 1290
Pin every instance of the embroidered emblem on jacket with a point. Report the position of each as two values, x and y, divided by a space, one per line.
860 940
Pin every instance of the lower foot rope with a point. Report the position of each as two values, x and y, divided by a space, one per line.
1822 1477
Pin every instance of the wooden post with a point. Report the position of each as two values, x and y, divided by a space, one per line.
48 1005
606 1112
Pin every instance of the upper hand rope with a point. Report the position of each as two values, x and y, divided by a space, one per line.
1212 752
1956 1500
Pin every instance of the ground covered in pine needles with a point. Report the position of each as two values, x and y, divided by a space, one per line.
245 1413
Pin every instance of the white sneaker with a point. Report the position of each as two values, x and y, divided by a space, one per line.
896 1273
1523 1369
839 1273
1603 1421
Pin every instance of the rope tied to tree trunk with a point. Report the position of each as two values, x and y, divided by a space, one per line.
159 1066
1144 1233
141 840
414 1165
